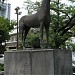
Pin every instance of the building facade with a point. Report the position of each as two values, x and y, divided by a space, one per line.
5 10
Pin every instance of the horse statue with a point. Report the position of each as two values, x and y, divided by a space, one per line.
40 19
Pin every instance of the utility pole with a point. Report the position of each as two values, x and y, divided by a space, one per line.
58 15
18 13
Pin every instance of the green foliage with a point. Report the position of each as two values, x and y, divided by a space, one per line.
31 7
1 67
35 42
59 27
33 39
70 44
2 49
5 26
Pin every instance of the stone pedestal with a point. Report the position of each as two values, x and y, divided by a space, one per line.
38 62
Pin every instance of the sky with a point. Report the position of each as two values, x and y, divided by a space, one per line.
19 3
14 4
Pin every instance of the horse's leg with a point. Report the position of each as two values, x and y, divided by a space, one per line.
23 32
47 36
26 30
41 34
24 37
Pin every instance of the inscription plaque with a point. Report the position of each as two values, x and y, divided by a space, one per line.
24 70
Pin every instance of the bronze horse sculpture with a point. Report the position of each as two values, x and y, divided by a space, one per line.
40 19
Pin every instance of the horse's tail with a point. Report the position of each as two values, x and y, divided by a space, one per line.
20 27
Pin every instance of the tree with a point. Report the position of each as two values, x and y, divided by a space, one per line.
62 25
31 7
5 26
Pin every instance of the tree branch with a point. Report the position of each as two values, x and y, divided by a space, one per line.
67 24
59 10
66 29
